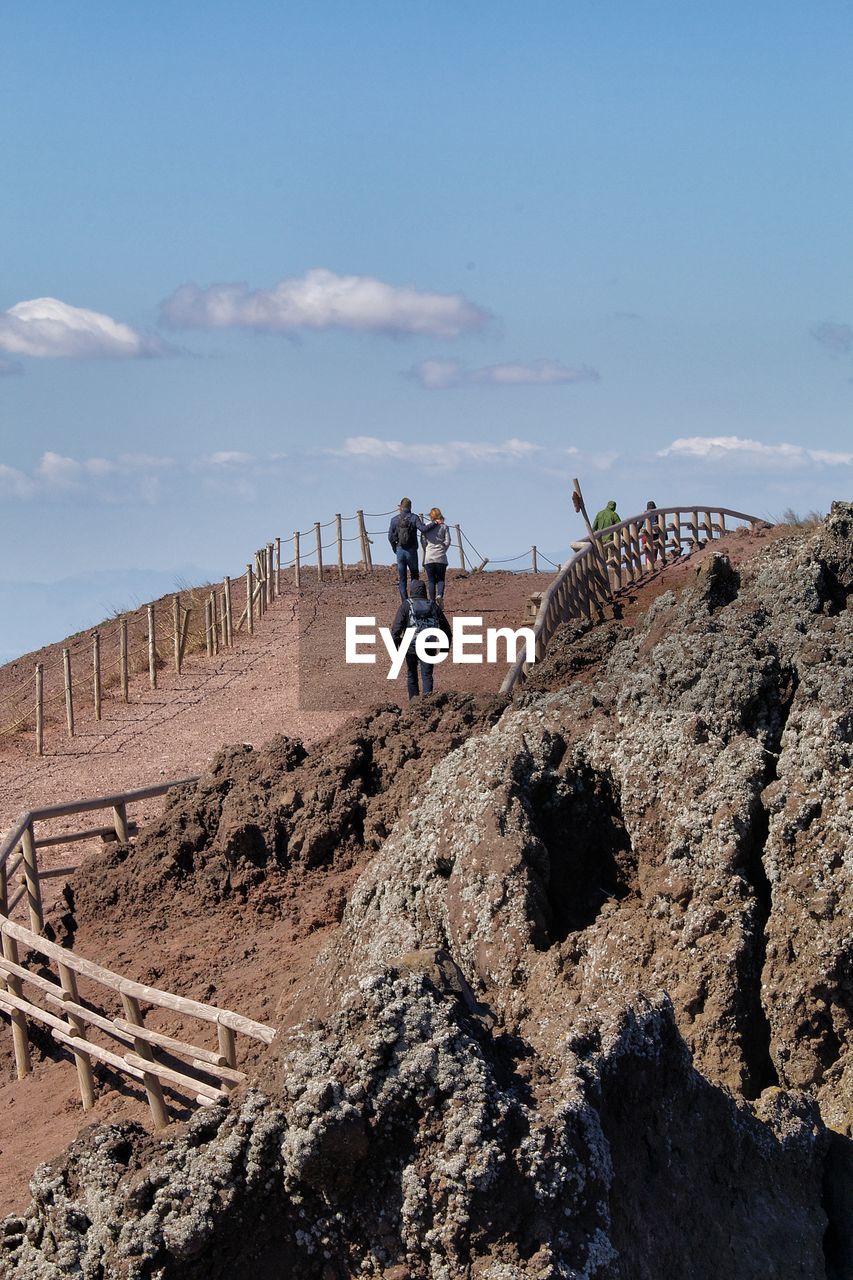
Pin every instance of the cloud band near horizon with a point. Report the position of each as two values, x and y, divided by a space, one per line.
440 374
720 448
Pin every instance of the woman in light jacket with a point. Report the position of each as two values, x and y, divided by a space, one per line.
435 540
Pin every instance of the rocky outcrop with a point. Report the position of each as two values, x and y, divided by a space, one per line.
588 1010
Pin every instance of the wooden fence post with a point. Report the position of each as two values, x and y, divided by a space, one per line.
122 656
214 623
636 558
185 631
152 649
176 631
39 711
461 551
20 1040
69 695
534 558
362 534
153 1088
297 579
208 643
83 1062
319 541
271 577
261 588
365 541
250 603
339 538
227 1044
226 592
31 876
606 590
278 567
120 822
96 673
660 539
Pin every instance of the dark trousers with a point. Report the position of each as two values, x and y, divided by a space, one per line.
412 664
435 580
407 559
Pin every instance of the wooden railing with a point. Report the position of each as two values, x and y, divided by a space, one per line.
20 845
101 661
203 1073
619 557
81 1025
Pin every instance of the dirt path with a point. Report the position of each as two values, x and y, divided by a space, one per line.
265 685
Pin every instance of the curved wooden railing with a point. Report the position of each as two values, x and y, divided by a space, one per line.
619 557
81 1023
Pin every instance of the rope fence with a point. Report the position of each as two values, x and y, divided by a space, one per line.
204 620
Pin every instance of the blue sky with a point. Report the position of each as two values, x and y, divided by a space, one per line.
307 258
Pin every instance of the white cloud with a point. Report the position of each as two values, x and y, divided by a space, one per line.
441 455
96 479
229 458
55 470
836 338
322 300
14 483
439 374
718 448
46 328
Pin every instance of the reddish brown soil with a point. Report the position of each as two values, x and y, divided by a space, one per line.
248 947
245 695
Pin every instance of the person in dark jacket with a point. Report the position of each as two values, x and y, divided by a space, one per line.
403 535
419 612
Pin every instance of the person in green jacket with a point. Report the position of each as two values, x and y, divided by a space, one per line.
605 518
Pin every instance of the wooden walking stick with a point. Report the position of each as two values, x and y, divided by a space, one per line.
580 507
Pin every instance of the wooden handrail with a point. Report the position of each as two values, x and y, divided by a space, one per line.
14 835
69 1024
124 986
575 586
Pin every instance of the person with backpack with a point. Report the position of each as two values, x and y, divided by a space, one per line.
419 612
403 536
435 540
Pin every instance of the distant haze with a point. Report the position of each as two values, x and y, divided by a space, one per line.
40 613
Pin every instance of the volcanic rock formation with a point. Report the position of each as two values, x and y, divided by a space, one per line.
587 1012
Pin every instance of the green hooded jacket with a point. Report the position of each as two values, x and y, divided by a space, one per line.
605 518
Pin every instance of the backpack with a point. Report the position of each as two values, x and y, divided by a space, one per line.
422 614
406 535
